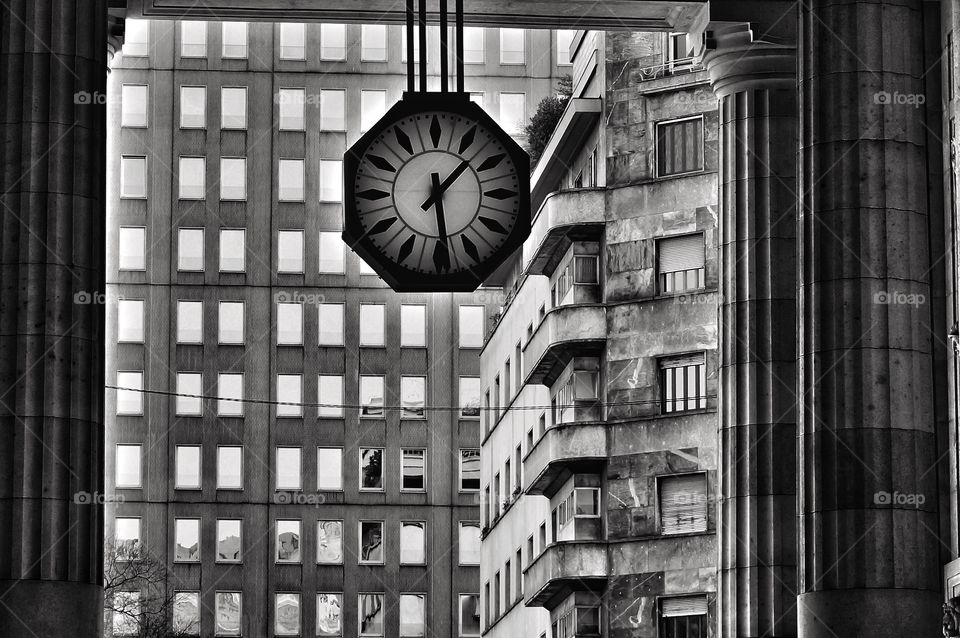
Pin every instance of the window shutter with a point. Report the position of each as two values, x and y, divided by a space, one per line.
683 606
680 253
680 147
683 504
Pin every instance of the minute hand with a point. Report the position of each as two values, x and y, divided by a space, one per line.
447 183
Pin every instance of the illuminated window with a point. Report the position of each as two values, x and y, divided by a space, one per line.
233 107
330 390
132 248
331 180
289 324
329 468
512 46
136 38
289 394
471 326
193 106
290 251
473 45
292 41
130 400
133 177
291 103
330 321
128 469
190 249
233 178
189 391
133 105
332 104
191 178
373 104
234 40
373 43
229 467
332 253
333 42
230 393
230 322
413 325
187 467
232 250
371 324
564 40
193 39
130 321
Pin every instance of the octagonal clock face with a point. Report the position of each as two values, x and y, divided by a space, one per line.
437 198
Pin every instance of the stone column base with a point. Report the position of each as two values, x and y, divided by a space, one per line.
910 613
50 609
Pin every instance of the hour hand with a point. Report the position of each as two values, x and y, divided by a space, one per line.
441 252
439 188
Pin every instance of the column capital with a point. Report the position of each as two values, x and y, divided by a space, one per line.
738 57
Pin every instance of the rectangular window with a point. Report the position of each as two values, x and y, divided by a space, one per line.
190 320
286 615
130 401
373 43
413 543
371 468
331 180
371 542
133 105
132 248
329 468
469 397
330 544
229 540
679 147
512 46
564 40
186 533
330 390
291 105
136 38
333 42
413 473
512 112
477 98
412 616
230 322
684 617
288 541
289 468
234 40
413 325
332 255
371 324
193 106
471 326
186 613
127 611
680 263
290 251
332 107
292 41
470 470
330 321
370 614
233 178
373 104
683 382
191 178
230 394
128 469
413 392
232 249
189 391
130 321
233 107
193 39
133 177
289 395
468 545
469 615
683 503
329 614
187 467
228 612
473 45
371 396
289 324
229 467
190 249
126 538
416 45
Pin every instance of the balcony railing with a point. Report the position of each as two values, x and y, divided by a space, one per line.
670 67
575 214
566 332
562 451
565 567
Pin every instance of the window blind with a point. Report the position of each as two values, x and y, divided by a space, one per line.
683 504
680 253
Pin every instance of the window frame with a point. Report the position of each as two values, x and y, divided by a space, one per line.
124 99
383 459
216 557
220 485
223 40
383 541
659 174
403 459
176 529
340 482
223 124
203 111
139 463
177 484
123 242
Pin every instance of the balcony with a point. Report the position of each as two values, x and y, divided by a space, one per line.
566 332
564 217
564 568
562 451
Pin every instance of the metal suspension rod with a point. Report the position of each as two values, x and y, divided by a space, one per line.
411 87
423 45
444 54
458 9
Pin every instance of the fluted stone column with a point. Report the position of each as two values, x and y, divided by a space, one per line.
755 81
52 82
869 524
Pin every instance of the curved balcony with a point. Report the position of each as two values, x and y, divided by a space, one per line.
563 568
566 332
562 451
564 216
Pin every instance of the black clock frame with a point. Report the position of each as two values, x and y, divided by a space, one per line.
403 279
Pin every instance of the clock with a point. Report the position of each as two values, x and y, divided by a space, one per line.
436 194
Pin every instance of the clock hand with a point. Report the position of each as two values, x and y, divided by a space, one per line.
441 253
439 189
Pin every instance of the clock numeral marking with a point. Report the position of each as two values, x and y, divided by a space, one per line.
382 163
491 162
470 248
467 139
382 226
406 248
500 193
435 132
441 257
403 140
493 225
373 194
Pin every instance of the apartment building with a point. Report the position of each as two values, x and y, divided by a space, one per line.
296 444
599 377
